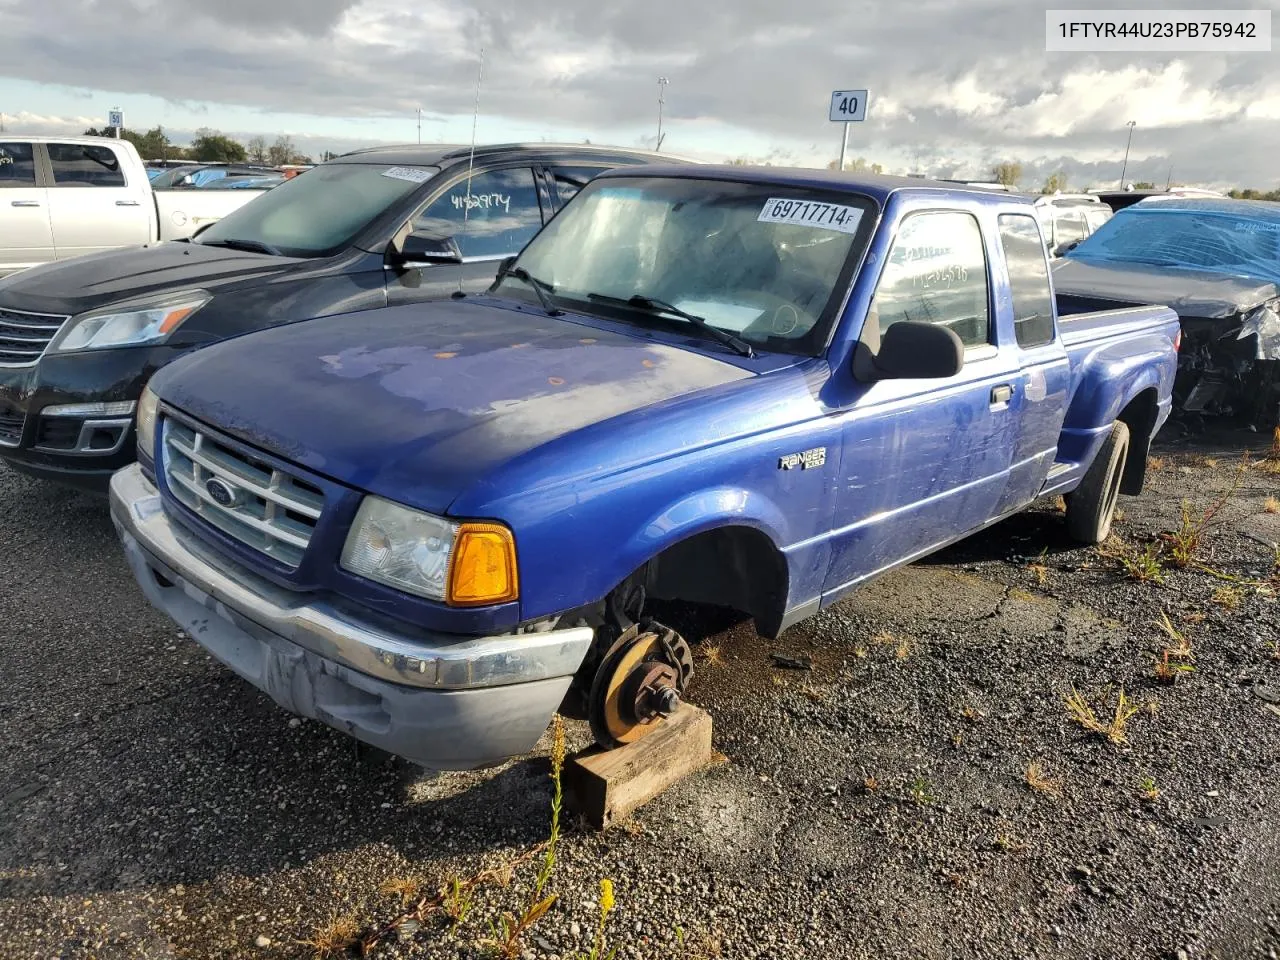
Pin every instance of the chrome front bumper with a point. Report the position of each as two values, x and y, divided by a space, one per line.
439 700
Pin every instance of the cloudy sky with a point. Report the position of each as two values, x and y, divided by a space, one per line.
955 86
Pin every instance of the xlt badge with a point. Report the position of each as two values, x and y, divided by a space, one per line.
804 460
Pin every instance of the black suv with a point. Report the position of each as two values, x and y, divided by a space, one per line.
80 338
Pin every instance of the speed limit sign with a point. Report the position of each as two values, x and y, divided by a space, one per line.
848 105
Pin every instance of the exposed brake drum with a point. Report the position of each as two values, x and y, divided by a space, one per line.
640 681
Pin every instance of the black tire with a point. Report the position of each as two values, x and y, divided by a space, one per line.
1092 505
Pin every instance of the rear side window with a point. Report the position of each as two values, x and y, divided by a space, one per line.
494 216
17 165
569 180
85 165
1070 226
937 273
1028 279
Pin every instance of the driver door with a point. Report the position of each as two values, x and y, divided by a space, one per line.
491 217
926 461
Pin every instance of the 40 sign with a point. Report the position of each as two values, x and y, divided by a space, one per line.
848 105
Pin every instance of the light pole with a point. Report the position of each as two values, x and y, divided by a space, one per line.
662 89
419 125
1125 166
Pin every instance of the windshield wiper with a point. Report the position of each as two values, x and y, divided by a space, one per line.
641 302
540 287
253 246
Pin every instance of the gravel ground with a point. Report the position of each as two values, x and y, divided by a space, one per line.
878 805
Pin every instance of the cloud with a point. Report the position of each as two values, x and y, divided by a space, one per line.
955 84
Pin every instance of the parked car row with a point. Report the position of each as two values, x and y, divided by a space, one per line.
470 411
63 197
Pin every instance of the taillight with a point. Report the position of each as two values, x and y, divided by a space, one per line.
1177 340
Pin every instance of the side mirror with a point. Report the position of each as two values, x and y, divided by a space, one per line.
1062 248
420 249
910 350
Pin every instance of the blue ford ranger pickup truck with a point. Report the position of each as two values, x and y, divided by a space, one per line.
753 388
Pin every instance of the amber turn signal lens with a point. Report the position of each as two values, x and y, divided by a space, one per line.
483 570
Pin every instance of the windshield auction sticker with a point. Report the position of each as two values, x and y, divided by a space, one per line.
412 174
810 213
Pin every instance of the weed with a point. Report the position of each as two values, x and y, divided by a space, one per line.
1271 505
1150 792
922 792
901 645
903 648
598 943
1210 463
631 827
333 938
1153 706
1155 463
1145 567
1177 656
1081 711
1228 597
1039 569
711 655
870 784
1060 504
405 889
1195 617
1011 844
860 652
1118 515
972 714
456 901
957 739
1186 542
1040 781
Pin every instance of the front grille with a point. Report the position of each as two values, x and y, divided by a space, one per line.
11 420
270 510
24 336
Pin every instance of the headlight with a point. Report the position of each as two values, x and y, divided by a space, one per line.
129 324
147 407
463 564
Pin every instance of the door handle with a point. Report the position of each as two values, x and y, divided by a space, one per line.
127 203
1001 394
25 203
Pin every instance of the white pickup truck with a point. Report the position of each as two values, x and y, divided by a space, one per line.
64 197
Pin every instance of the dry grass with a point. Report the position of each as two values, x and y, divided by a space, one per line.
1039 569
902 646
1155 463
333 938
1011 844
1177 656
1271 505
711 655
404 889
1081 711
972 714
1060 504
1040 781
870 784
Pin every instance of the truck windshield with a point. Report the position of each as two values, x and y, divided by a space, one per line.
1193 239
767 262
319 212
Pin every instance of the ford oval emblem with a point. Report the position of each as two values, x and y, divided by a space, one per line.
222 493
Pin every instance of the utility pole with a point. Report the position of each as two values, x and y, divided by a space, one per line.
1131 124
419 125
662 89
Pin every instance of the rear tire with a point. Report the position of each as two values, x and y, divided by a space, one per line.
1092 505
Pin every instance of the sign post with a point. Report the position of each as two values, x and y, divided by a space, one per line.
847 106
115 119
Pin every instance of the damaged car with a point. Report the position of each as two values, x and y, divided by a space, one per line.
1217 264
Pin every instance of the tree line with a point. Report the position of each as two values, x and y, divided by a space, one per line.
210 146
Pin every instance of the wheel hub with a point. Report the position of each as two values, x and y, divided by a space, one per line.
640 681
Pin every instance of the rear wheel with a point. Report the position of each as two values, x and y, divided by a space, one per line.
1092 505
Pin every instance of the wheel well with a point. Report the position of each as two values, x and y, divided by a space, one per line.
734 566
1140 417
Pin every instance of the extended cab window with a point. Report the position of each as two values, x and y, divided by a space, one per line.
937 273
85 165
1028 279
495 216
17 165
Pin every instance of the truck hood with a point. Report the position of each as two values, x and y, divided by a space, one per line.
1191 293
414 403
85 283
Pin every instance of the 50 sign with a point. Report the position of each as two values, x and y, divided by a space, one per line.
848 105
